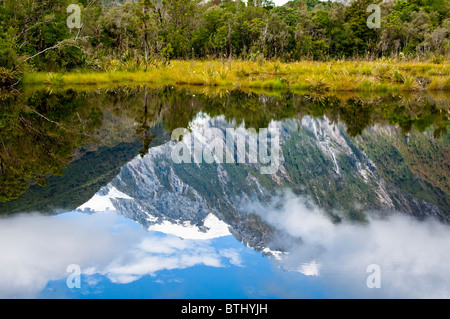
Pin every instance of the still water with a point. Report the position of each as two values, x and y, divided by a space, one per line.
97 203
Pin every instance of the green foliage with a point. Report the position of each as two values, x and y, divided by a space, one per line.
7 77
145 30
38 136
167 52
8 50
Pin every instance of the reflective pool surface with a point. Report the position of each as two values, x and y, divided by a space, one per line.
100 200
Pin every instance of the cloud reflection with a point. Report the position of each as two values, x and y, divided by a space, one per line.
332 258
36 249
413 255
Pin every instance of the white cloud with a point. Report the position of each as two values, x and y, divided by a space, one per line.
36 249
156 253
413 256
233 255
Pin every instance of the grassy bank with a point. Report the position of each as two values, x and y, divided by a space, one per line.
351 76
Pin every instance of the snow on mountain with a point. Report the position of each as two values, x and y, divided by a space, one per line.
204 201
212 226
102 201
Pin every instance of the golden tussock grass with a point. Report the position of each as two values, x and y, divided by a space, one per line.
335 76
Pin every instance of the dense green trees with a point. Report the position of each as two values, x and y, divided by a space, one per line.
141 31
38 137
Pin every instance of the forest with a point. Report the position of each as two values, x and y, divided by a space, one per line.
35 37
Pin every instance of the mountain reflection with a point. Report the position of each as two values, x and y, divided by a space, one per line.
43 131
362 180
343 176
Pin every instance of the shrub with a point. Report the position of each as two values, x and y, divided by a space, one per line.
8 77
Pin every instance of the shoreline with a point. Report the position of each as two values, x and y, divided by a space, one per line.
336 76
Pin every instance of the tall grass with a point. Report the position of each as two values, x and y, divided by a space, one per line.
353 76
